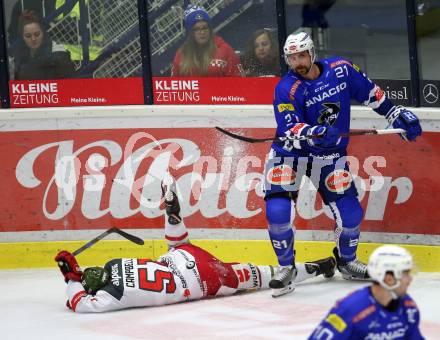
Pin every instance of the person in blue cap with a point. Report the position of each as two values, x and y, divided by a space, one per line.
203 53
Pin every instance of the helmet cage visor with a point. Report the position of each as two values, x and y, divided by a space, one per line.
94 278
311 54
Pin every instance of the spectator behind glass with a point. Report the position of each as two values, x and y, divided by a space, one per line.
261 58
40 7
37 56
203 53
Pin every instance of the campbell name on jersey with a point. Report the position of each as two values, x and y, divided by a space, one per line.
174 277
300 104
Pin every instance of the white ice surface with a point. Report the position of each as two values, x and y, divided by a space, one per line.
32 306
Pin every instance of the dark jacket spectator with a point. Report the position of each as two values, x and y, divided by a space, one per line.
313 13
261 58
203 53
36 55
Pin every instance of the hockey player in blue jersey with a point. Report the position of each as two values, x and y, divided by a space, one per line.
313 98
380 311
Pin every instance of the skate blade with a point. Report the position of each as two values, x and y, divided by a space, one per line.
276 292
355 278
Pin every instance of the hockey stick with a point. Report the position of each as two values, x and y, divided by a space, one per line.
124 234
345 134
372 132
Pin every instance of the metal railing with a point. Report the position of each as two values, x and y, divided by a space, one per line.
109 22
166 30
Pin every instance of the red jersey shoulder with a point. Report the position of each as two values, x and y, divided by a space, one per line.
339 62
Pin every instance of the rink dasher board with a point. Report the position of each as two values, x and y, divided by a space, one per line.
41 254
257 116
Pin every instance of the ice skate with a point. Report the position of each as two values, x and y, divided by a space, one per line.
353 270
326 267
283 280
172 206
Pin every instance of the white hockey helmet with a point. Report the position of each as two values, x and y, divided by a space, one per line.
297 43
386 259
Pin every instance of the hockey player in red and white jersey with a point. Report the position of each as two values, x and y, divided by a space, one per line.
186 272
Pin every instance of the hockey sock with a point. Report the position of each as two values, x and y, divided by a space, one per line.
282 243
347 241
176 234
279 213
251 276
348 215
267 273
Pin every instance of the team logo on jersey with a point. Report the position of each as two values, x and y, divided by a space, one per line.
330 113
190 265
338 180
337 322
282 174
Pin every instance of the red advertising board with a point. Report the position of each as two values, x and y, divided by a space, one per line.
84 179
119 91
225 90
76 92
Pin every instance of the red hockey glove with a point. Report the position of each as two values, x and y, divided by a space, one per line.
68 266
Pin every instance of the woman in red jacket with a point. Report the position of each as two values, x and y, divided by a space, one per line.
203 53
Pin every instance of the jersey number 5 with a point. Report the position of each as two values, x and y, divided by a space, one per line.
158 284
